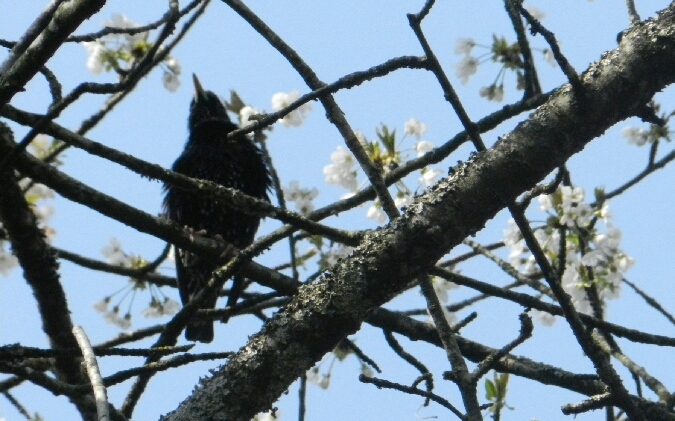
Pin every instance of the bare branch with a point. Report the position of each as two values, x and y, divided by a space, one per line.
100 394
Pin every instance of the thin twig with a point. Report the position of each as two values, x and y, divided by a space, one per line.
346 82
108 30
651 301
17 405
526 328
661 163
410 359
380 383
360 354
632 13
90 364
276 183
460 371
142 273
529 301
652 382
302 396
568 70
532 86
508 268
415 21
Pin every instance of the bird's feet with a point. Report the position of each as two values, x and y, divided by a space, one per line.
229 252
192 232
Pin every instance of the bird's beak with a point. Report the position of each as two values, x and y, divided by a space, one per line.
199 91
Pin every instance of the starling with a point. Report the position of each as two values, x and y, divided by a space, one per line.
235 163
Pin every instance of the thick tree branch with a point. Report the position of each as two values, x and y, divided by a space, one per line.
68 16
40 270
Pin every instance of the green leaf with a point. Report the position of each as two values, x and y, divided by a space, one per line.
490 390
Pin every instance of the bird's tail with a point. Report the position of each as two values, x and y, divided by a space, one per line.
238 284
199 330
202 330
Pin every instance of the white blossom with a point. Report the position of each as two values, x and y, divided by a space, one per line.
623 262
571 282
548 240
574 210
158 309
301 196
266 416
123 22
441 287
604 213
367 371
593 258
512 234
7 260
245 115
429 177
324 382
115 255
331 257
530 266
95 52
341 171
321 380
123 322
170 81
114 318
423 148
636 136
612 287
170 78
608 242
571 257
126 43
413 127
404 200
375 212
536 13
41 146
545 202
282 100
465 68
38 191
312 375
464 46
601 253
102 305
173 65
492 92
548 56
547 319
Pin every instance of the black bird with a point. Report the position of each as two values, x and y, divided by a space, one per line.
236 163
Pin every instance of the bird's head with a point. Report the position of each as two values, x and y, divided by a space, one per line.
205 106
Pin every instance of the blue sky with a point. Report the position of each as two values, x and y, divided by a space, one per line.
336 38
